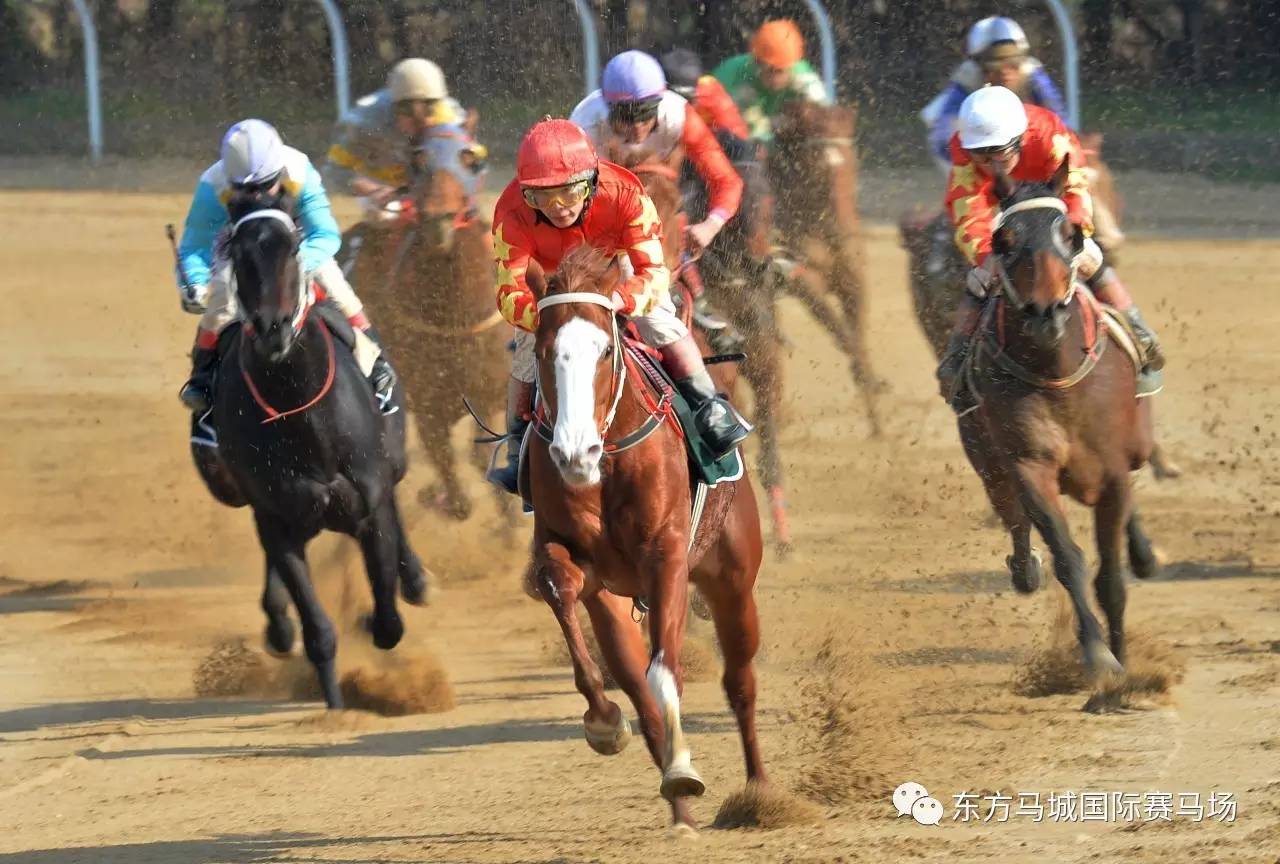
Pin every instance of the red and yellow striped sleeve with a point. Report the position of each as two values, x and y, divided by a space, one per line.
969 202
641 239
515 298
1065 146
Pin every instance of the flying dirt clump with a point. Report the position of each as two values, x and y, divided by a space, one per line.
1152 668
765 806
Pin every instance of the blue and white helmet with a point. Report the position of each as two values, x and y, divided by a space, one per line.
989 31
252 153
633 76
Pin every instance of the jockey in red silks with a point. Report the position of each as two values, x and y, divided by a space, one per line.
1029 143
563 196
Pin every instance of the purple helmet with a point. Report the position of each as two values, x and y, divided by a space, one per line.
633 76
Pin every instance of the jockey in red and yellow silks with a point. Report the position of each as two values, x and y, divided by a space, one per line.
564 196
1029 144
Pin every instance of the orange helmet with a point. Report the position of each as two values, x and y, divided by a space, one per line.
555 153
778 44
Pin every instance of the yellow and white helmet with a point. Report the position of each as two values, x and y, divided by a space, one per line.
416 79
991 117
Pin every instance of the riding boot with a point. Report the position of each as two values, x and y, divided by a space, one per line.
197 393
382 377
722 428
950 383
519 395
1108 288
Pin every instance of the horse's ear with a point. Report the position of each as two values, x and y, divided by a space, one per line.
536 279
1004 184
1060 177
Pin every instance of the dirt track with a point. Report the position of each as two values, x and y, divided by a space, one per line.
893 648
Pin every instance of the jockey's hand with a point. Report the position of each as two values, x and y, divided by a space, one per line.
194 298
982 279
618 302
701 235
383 195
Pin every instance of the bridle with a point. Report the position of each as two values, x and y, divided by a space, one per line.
1046 202
616 344
305 292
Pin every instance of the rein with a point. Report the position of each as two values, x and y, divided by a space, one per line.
657 413
272 414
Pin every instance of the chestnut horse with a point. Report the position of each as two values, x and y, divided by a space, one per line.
612 526
1058 414
429 282
763 365
813 169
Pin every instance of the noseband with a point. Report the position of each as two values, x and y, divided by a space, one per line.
1042 203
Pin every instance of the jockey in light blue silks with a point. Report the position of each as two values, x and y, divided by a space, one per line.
256 166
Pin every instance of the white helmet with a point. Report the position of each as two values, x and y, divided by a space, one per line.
252 153
989 31
991 117
415 78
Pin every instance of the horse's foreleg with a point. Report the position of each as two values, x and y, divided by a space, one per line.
668 605
434 432
286 556
560 582
765 377
380 541
1025 565
1111 515
1142 557
275 603
415 580
1038 490
623 649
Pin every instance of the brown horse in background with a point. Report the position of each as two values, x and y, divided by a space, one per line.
430 285
1058 414
813 169
763 365
612 525
936 277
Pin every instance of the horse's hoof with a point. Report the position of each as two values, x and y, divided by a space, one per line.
1027 581
682 781
698 605
385 635
1101 663
608 739
1165 469
415 587
278 640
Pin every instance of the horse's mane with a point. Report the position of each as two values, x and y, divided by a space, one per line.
584 269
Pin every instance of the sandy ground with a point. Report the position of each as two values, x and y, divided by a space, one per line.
894 649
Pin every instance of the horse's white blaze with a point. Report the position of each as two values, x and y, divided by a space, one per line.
576 437
662 684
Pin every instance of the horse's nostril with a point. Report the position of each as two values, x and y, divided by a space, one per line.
595 451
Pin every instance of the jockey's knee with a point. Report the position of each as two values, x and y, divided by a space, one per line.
661 326
523 361
330 278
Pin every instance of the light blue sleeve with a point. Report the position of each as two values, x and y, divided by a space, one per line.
944 126
1046 93
205 218
321 238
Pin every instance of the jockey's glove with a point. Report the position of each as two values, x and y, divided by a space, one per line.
194 298
982 279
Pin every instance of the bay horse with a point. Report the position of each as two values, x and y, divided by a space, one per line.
1058 414
762 367
612 527
429 282
936 271
813 169
302 442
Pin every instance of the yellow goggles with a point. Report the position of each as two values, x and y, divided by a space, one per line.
562 196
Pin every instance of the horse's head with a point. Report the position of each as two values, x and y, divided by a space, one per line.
263 248
579 357
1036 245
445 169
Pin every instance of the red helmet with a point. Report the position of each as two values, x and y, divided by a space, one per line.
555 153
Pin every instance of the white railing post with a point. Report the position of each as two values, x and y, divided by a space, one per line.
338 38
590 46
91 75
1070 61
828 43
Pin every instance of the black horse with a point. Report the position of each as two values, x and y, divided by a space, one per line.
302 442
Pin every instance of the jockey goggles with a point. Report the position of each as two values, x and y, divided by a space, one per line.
569 195
633 112
258 186
987 154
